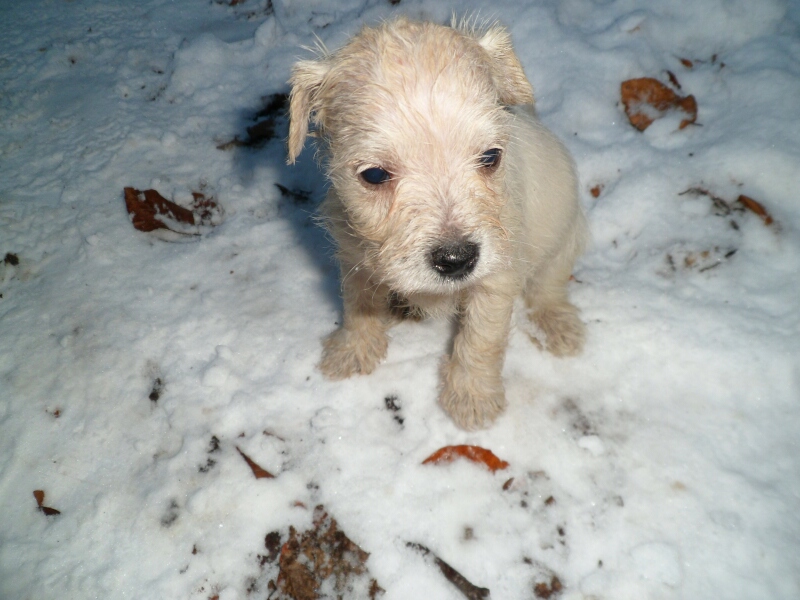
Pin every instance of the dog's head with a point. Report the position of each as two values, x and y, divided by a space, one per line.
414 127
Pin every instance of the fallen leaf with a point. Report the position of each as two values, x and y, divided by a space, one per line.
296 196
258 471
50 512
150 211
474 453
463 585
673 80
756 207
723 208
596 190
544 590
267 119
647 99
687 63
148 205
322 556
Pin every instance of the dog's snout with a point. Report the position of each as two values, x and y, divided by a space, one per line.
456 260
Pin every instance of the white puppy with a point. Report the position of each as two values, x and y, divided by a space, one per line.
447 196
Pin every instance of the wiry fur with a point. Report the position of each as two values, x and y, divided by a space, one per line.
424 102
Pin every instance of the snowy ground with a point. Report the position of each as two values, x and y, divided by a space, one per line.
662 463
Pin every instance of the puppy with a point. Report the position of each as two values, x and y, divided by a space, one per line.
447 197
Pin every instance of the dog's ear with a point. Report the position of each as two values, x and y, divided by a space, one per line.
509 77
304 105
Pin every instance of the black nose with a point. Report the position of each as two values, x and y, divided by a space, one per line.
455 261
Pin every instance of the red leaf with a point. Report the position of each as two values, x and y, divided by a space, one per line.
147 205
258 471
39 495
149 211
756 207
647 99
474 453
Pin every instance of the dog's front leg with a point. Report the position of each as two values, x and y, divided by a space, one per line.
361 342
472 385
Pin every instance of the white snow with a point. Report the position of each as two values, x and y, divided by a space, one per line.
664 462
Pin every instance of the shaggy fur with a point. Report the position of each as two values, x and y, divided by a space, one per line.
448 197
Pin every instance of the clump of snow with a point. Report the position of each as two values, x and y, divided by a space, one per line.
134 373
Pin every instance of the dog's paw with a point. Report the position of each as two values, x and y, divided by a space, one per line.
565 333
472 402
347 353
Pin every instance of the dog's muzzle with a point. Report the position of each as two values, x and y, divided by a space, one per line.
455 261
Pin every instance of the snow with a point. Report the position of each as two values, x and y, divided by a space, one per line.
669 448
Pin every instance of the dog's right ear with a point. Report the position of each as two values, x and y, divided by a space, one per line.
304 104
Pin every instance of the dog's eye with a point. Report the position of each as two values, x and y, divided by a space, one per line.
375 175
490 158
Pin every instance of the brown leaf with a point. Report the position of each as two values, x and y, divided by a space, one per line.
687 63
673 80
474 453
543 590
647 99
150 211
319 555
267 120
756 207
596 190
146 206
39 495
258 471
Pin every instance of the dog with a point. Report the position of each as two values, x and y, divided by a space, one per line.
447 196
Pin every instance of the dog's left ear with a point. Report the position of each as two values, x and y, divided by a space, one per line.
509 77
304 102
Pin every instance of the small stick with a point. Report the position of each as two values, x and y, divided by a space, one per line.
470 591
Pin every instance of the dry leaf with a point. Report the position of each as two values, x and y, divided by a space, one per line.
267 120
596 190
687 63
756 207
146 206
150 211
647 99
474 453
50 512
322 554
258 471
723 208
544 590
673 80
